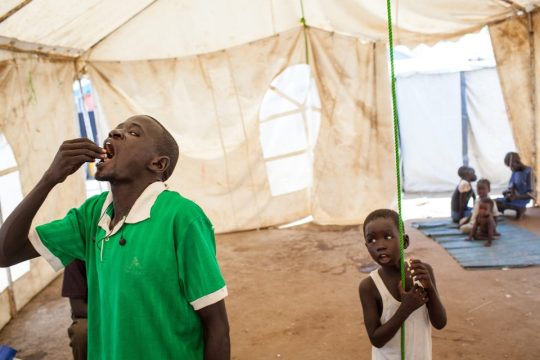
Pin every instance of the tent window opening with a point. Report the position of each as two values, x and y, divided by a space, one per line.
89 127
290 118
10 197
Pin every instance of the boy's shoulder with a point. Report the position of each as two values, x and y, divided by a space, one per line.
367 286
464 186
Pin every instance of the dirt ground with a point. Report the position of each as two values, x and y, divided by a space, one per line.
293 294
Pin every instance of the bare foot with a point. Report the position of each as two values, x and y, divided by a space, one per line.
487 243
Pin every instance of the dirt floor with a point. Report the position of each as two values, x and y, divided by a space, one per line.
293 294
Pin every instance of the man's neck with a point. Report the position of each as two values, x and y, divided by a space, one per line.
124 196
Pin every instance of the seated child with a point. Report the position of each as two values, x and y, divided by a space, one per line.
483 187
386 305
520 187
462 194
484 227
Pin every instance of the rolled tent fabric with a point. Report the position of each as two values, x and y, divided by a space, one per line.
512 48
354 170
210 103
37 116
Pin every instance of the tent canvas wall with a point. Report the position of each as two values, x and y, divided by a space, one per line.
202 68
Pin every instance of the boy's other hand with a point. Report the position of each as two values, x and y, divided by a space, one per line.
419 271
413 299
70 156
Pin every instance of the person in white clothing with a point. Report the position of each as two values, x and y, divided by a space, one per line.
386 305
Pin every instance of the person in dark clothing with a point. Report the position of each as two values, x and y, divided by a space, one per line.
75 288
462 194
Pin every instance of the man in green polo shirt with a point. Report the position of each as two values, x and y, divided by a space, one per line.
155 290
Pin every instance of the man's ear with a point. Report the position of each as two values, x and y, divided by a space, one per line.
159 165
405 241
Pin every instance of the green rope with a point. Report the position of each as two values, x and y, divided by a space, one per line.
304 25
398 172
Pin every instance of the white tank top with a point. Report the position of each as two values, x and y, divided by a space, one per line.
417 329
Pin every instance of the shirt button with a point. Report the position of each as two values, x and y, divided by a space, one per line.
122 242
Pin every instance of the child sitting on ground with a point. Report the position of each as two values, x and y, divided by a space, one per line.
483 187
485 226
462 194
386 305
520 187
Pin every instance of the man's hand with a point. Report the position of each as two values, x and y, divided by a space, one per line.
71 155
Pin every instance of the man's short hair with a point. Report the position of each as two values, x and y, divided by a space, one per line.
381 213
167 145
484 182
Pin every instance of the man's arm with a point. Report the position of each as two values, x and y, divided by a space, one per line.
14 244
79 308
217 344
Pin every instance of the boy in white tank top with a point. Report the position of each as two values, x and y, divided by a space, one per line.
386 305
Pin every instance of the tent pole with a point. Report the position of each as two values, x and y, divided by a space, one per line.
532 78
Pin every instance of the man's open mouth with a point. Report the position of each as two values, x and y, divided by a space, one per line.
109 148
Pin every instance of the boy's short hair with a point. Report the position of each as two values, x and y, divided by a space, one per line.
484 182
167 145
509 156
487 201
463 170
381 213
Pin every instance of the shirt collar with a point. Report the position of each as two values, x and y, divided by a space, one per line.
139 211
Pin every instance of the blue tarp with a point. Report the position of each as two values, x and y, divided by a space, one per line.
516 247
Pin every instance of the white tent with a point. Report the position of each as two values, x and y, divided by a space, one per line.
203 68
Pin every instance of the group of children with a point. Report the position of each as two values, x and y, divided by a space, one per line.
480 221
387 304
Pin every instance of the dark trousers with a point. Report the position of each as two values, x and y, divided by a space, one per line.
78 336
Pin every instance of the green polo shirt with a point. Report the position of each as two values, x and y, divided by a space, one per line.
144 290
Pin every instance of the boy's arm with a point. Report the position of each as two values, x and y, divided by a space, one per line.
462 203
14 244
473 230
437 312
379 334
217 344
491 227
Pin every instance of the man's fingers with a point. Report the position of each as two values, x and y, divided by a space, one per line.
81 143
77 161
77 152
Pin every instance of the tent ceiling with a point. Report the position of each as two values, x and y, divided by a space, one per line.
149 29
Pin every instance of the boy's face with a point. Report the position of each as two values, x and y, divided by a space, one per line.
515 163
484 209
482 190
131 150
470 175
382 241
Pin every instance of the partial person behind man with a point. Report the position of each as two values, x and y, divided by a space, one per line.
75 288
520 189
462 194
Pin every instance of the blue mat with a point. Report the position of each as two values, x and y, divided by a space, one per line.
517 247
